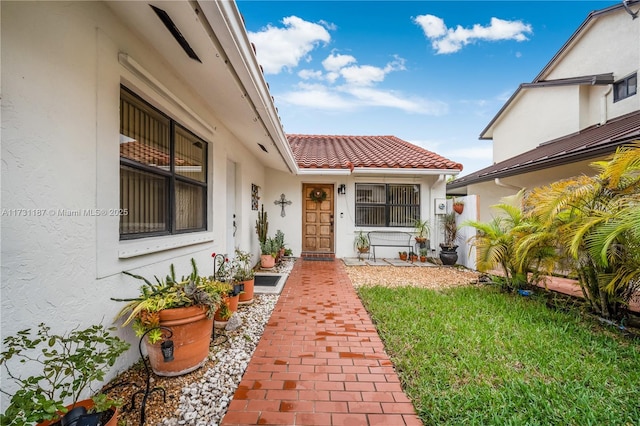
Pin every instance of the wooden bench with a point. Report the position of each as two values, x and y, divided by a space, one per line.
389 239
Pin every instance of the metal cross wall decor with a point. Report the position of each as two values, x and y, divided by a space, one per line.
282 202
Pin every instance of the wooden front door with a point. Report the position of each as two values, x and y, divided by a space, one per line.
317 220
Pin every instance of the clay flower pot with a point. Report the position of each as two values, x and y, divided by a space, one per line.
191 336
246 297
267 261
458 207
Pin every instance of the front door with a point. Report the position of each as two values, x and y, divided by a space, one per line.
317 220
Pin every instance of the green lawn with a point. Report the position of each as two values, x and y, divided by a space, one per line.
473 355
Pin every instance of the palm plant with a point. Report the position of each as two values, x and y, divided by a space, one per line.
597 224
496 242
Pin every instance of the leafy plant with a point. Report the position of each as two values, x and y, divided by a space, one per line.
269 247
168 293
594 222
450 231
496 242
421 228
362 241
68 364
279 239
241 268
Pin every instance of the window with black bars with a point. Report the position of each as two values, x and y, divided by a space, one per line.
387 205
163 173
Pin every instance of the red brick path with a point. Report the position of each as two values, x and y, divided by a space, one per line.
320 360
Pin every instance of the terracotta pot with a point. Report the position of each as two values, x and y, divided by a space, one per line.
267 261
191 337
247 296
229 302
414 258
403 257
423 259
458 208
233 302
88 404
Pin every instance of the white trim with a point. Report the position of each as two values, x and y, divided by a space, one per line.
148 245
323 172
146 77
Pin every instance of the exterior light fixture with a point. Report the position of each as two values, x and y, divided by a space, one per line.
342 189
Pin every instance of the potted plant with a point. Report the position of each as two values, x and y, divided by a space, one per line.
185 306
228 305
403 255
66 365
413 256
458 205
242 273
279 242
362 244
423 255
268 252
448 248
421 228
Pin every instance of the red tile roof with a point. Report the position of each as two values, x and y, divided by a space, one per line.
347 152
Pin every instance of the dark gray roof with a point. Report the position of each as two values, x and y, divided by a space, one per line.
589 143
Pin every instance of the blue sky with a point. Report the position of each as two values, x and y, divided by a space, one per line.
433 73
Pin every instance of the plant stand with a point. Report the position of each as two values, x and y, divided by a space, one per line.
167 352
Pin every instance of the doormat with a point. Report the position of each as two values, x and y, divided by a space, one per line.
269 282
266 280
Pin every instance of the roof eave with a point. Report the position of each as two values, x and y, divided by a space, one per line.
376 171
575 157
250 75
403 171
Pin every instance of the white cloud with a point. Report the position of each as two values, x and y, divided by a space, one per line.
350 97
448 40
342 83
381 98
432 26
366 75
316 96
334 62
310 74
362 75
279 48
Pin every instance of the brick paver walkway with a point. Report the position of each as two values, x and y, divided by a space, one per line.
320 360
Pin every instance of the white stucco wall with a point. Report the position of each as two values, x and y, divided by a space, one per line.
520 129
60 125
345 231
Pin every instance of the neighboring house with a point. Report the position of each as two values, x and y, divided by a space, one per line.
136 136
579 108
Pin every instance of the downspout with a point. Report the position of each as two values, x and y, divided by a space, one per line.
603 105
435 243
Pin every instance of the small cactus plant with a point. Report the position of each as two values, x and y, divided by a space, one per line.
262 225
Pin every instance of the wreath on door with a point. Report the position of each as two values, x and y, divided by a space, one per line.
318 195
